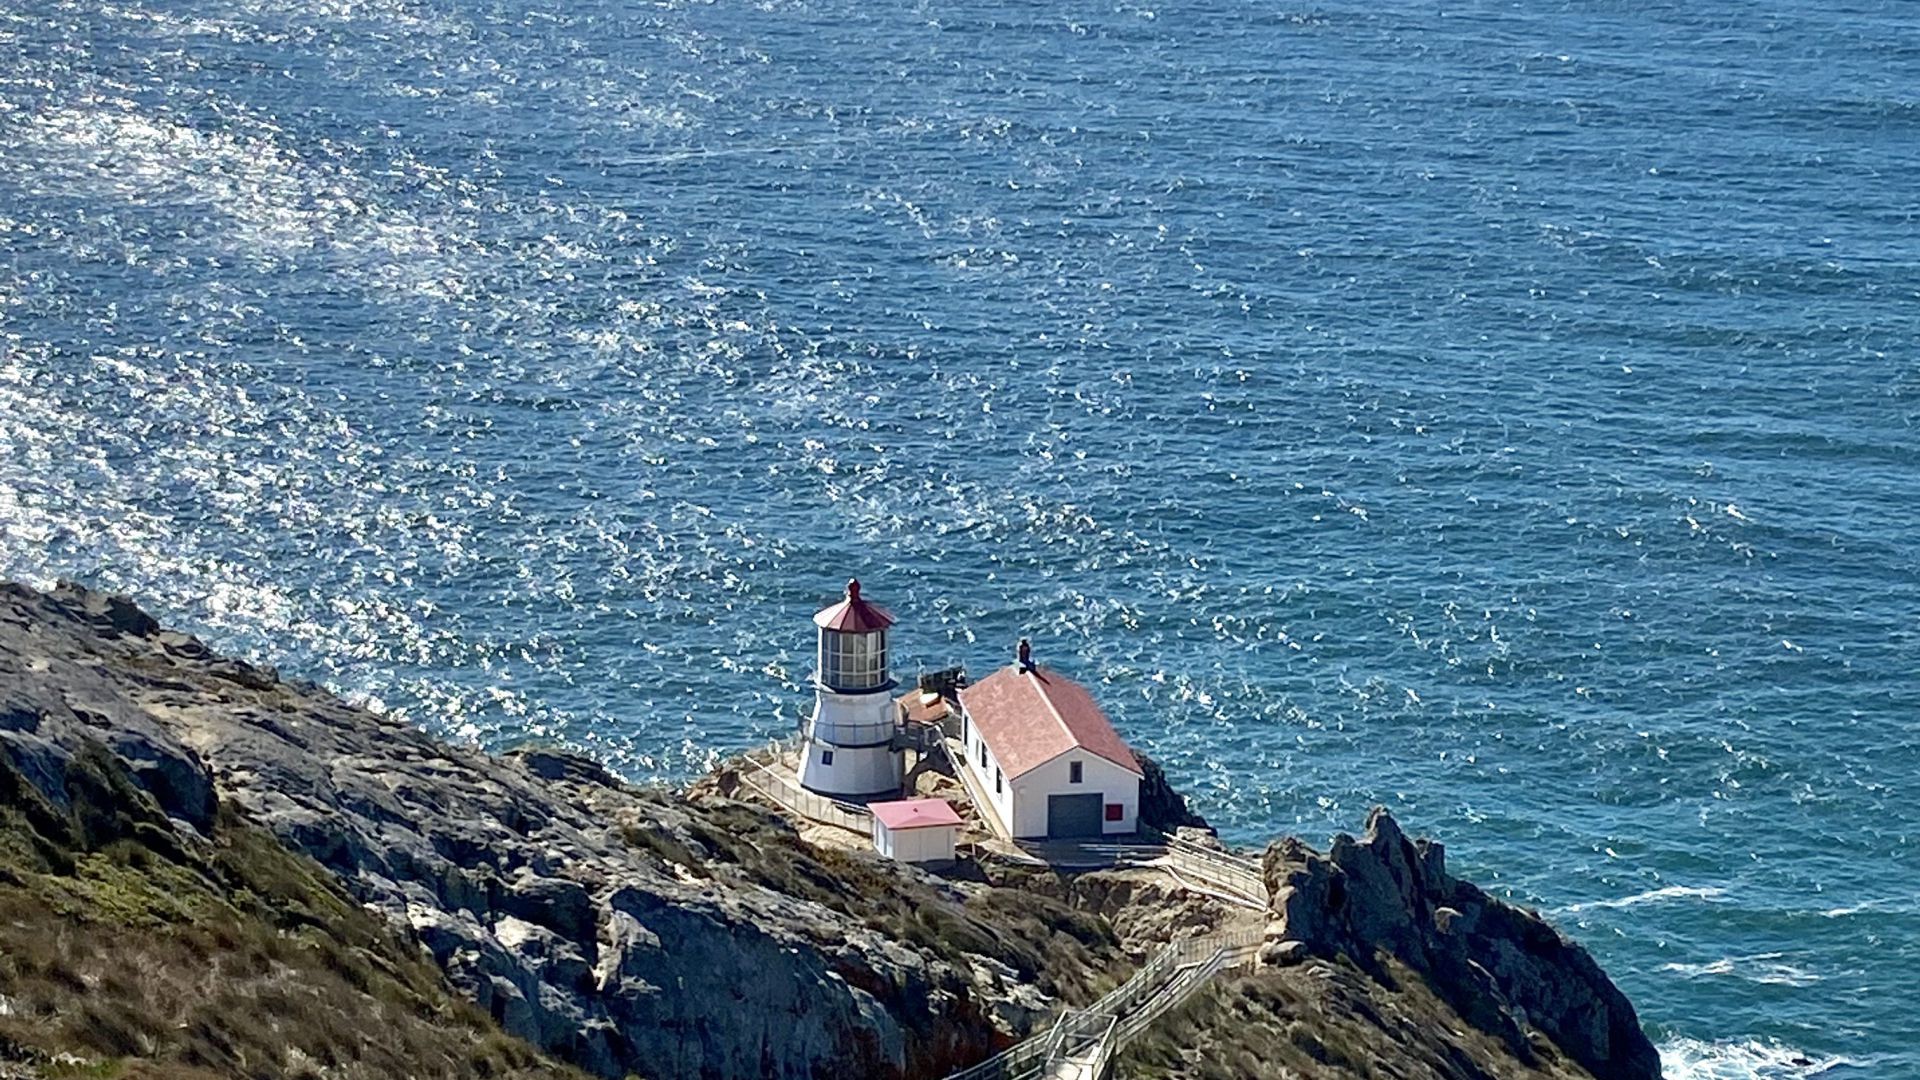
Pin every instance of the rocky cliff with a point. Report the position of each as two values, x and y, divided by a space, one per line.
235 874
1379 962
620 929
1504 970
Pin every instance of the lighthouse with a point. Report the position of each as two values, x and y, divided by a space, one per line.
849 745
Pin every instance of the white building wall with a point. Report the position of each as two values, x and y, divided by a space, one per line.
1003 796
1028 817
940 843
931 844
981 760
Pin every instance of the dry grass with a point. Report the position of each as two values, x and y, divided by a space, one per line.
125 953
1328 1022
1065 952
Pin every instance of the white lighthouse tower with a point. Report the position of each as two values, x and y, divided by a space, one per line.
849 745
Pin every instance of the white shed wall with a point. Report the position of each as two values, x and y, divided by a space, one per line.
931 844
934 843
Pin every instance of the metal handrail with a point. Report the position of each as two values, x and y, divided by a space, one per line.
1232 950
976 794
1095 1035
1242 863
1126 1010
1016 1062
1237 874
807 804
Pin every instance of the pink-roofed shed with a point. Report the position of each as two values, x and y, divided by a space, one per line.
915 813
915 830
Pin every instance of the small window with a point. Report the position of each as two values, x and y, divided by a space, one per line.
1116 811
996 780
1073 772
826 757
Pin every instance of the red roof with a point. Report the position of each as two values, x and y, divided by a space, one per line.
853 615
1029 716
914 813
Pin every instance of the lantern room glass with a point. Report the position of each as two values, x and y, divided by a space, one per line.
853 661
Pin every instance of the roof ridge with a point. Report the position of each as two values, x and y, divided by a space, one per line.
1003 708
1073 737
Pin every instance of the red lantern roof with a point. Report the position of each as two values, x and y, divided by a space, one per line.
853 615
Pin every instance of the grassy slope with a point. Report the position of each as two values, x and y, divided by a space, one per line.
1330 1021
125 952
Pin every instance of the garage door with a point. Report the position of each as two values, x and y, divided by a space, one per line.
1073 815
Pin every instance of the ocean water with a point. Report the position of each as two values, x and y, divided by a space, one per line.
1504 412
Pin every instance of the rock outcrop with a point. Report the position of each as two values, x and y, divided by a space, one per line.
1162 806
625 930
1504 970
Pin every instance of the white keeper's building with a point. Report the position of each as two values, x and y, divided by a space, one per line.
1046 756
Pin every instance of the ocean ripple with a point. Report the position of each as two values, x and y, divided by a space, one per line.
1515 427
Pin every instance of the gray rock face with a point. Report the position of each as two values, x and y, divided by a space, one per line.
527 877
1162 806
1505 970
1283 953
49 715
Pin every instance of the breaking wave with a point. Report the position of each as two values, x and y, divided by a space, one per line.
1768 969
1694 1059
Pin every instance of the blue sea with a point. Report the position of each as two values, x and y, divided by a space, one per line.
1503 412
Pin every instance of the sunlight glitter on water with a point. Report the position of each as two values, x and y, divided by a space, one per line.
535 373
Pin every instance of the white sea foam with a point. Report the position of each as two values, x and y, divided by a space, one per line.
1652 896
1883 906
1766 968
1693 1059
